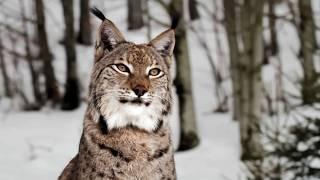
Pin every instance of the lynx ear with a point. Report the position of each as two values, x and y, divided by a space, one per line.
164 43
108 34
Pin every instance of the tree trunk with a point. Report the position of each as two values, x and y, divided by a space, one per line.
84 36
273 32
51 84
193 11
250 68
189 135
71 99
5 77
308 47
34 74
135 14
231 28
222 99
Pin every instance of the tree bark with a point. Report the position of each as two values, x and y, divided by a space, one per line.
308 47
273 33
51 84
71 99
193 11
84 36
34 74
188 134
231 28
251 14
6 80
135 14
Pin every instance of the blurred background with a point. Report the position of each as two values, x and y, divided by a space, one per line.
246 97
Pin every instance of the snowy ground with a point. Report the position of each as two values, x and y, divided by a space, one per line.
37 145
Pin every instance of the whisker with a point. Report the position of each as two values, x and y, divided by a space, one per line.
161 98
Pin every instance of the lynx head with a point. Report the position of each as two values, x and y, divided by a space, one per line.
130 84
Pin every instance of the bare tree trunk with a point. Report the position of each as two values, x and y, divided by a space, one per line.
273 32
84 36
250 67
34 74
308 47
193 11
221 93
189 135
231 28
71 99
6 80
51 84
135 14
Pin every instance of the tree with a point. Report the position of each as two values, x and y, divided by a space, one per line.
84 36
6 80
272 23
246 67
250 65
135 14
51 84
306 30
188 134
231 28
34 74
71 99
299 162
193 11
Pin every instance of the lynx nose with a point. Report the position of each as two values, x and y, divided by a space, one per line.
139 90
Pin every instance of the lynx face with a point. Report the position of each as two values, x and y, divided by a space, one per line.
130 82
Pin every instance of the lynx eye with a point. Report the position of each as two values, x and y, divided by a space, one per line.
121 68
154 72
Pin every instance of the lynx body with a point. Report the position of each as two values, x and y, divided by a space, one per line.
126 133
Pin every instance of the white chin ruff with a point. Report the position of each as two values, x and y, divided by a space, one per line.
138 115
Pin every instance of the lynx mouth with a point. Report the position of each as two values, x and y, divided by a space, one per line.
137 101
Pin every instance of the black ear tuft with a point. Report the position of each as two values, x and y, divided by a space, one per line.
108 35
175 20
95 11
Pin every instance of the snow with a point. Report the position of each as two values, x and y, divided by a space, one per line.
217 157
38 145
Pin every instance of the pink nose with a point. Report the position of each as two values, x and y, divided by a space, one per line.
139 90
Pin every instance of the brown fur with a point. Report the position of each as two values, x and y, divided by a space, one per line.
128 152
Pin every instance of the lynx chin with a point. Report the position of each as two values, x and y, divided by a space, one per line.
126 132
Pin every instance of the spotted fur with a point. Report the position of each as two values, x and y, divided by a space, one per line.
126 133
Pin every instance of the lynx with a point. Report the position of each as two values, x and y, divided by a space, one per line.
126 134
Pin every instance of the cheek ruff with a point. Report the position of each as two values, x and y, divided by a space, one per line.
117 114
